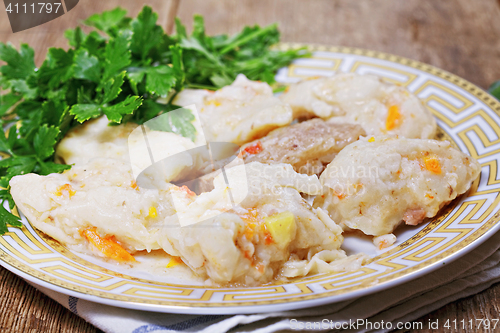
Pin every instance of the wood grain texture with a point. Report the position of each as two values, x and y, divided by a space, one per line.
25 309
460 36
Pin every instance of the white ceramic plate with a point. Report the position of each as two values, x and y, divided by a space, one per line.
466 115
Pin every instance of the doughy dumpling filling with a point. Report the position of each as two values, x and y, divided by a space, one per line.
380 108
377 183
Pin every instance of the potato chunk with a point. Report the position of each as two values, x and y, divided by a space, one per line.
282 228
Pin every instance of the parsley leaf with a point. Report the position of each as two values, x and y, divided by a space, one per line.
178 121
7 101
21 166
135 76
75 37
51 167
87 66
117 111
45 140
112 88
146 34
5 145
8 218
57 68
20 86
20 64
83 112
52 112
94 43
178 67
117 56
108 21
160 80
148 110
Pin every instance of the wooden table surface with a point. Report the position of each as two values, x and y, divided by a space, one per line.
460 36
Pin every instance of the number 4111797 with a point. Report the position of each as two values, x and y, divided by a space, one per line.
39 8
472 324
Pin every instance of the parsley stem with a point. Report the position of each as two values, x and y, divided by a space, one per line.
248 38
172 98
200 86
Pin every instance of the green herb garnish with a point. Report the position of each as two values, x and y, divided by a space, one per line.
120 72
495 90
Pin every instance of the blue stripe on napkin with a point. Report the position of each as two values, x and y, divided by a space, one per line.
181 326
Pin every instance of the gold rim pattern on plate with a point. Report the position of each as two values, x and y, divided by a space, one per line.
470 120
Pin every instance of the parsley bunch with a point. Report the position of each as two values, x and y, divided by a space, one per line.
120 70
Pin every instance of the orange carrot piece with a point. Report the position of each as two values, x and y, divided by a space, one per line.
174 262
254 149
393 118
432 164
107 245
65 188
187 190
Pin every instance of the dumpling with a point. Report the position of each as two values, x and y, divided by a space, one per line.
126 143
187 97
94 139
377 183
101 195
249 241
243 111
379 107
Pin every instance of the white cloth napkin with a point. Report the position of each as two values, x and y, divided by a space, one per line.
468 275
